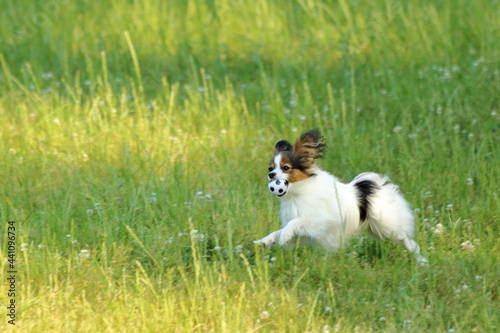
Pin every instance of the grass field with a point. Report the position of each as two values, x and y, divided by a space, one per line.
134 143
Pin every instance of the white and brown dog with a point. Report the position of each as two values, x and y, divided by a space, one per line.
320 209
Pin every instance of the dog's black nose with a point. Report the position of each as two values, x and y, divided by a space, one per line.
272 174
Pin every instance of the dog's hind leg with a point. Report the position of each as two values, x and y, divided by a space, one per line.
413 247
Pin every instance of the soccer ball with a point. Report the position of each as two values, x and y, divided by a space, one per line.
278 187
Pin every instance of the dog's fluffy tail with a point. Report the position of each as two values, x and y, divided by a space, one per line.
383 207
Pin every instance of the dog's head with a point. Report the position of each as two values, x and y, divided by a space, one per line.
296 163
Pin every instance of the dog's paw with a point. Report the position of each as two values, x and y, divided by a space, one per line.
259 242
421 261
286 237
266 241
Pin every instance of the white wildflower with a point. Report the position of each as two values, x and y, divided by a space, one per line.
47 76
264 315
84 254
468 246
439 229
412 136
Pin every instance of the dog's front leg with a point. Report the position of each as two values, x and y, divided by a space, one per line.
296 227
269 239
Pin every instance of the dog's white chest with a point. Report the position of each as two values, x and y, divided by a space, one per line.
301 206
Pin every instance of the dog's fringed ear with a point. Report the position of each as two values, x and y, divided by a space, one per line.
282 145
308 147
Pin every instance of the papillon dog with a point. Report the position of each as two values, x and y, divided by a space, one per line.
317 208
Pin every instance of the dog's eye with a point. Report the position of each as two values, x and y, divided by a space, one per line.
270 169
286 168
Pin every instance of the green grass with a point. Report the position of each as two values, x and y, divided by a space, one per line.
135 138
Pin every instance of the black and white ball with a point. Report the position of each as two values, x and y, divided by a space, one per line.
278 187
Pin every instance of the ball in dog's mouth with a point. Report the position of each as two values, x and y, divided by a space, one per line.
278 187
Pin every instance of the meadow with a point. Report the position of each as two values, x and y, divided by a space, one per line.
135 138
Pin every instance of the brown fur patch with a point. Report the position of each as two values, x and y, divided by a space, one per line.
295 174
